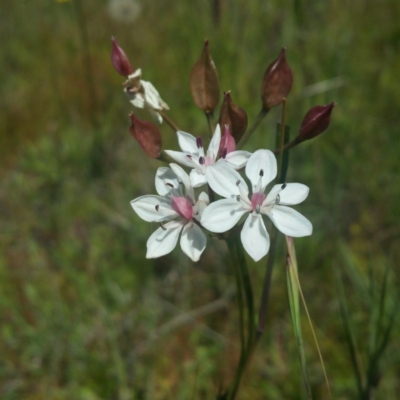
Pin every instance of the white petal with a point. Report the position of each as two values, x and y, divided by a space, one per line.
164 240
254 236
261 160
193 241
238 159
156 116
165 177
294 193
187 142
184 177
153 208
182 158
222 215
223 180
213 148
137 100
290 222
201 205
151 95
197 179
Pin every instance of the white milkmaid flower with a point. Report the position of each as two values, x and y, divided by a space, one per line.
176 211
261 169
142 94
193 156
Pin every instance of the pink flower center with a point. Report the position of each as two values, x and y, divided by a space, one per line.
227 142
183 207
257 200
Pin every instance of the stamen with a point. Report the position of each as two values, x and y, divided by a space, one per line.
199 142
202 161
157 207
190 200
278 199
283 186
238 197
237 183
189 156
261 172
162 226
257 210
169 184
224 152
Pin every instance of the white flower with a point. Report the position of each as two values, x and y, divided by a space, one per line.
143 94
193 156
175 211
222 215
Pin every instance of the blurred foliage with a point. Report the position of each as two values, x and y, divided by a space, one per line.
83 314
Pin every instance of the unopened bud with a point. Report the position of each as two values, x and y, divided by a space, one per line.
277 82
147 135
315 121
204 82
227 144
120 60
233 116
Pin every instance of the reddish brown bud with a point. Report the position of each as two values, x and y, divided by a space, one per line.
204 82
315 121
277 82
120 60
147 135
233 116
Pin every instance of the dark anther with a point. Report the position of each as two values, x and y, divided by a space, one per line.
238 197
224 152
237 183
199 142
283 186
261 172
162 226
157 207
169 184
202 160
191 201
189 156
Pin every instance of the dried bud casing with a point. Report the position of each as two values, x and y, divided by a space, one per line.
233 116
147 135
277 82
204 81
120 60
315 121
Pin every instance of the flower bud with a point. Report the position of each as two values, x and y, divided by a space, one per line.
204 82
120 60
233 116
147 135
227 144
315 122
277 82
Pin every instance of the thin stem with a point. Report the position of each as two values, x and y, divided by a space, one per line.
168 120
209 116
252 128
288 145
282 137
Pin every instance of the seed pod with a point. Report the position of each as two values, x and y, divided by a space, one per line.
204 82
147 135
315 122
233 116
277 82
120 60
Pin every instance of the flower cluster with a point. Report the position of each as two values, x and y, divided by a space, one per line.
177 211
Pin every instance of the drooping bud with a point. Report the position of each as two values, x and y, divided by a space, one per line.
120 60
315 121
227 144
147 135
204 81
277 82
233 116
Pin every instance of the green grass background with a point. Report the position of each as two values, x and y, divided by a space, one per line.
83 314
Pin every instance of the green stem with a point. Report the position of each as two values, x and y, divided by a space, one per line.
209 116
168 120
252 128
